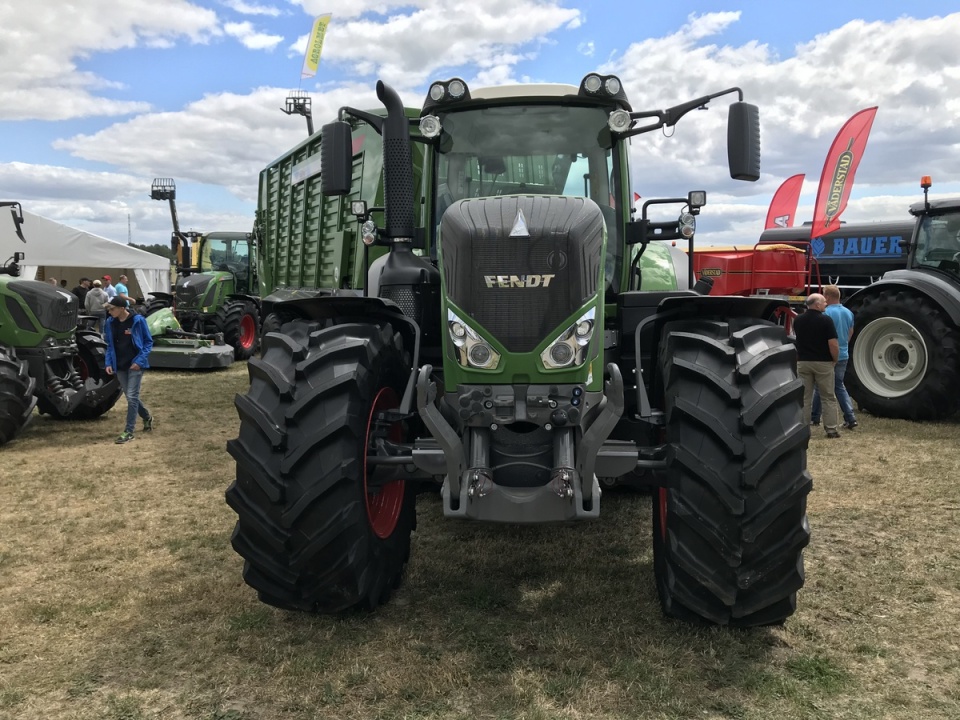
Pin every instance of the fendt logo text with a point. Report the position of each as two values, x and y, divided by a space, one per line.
518 281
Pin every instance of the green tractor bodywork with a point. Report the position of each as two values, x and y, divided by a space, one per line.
45 360
470 303
216 289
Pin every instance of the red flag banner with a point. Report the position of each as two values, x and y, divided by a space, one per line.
836 181
783 207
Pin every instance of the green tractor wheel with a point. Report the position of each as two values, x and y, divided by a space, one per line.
16 394
731 525
239 321
318 530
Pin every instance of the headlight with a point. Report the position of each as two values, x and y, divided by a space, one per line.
570 349
472 350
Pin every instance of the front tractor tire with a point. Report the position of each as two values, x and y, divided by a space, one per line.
317 531
16 394
239 321
904 357
730 526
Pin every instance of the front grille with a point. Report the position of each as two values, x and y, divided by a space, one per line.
190 291
522 288
55 310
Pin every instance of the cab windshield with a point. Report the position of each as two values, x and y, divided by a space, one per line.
528 150
938 242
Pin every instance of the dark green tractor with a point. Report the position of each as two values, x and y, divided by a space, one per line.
216 289
45 360
526 340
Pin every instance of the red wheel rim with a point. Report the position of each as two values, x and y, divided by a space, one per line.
248 331
383 508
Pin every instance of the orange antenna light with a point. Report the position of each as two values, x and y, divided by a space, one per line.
926 182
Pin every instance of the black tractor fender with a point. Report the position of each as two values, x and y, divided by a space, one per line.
160 295
245 296
344 308
941 291
684 306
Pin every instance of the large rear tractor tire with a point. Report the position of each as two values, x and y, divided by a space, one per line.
272 322
102 390
239 321
16 394
904 357
730 527
317 530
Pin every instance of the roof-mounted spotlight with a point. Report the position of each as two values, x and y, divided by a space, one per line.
443 92
604 86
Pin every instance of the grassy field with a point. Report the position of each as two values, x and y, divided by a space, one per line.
121 599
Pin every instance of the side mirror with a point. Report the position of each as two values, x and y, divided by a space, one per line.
743 141
336 158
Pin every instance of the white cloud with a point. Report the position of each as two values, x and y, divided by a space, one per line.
250 38
249 9
40 77
420 39
909 68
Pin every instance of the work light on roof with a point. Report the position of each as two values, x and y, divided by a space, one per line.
456 88
612 85
437 92
592 83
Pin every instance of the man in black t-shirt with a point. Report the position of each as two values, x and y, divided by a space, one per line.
817 353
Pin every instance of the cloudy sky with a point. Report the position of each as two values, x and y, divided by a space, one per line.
99 97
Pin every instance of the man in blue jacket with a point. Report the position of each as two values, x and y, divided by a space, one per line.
128 347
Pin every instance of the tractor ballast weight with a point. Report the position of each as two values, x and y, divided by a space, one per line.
522 344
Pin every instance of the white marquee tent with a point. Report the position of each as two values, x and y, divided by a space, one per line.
63 252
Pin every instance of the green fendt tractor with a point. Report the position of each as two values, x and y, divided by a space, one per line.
45 360
216 289
499 325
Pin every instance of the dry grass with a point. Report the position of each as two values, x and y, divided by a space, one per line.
121 599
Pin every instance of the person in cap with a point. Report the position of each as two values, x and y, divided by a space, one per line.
128 350
108 287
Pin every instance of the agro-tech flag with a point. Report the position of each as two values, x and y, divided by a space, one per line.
311 58
783 207
836 181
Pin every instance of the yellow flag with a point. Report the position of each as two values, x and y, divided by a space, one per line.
311 58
